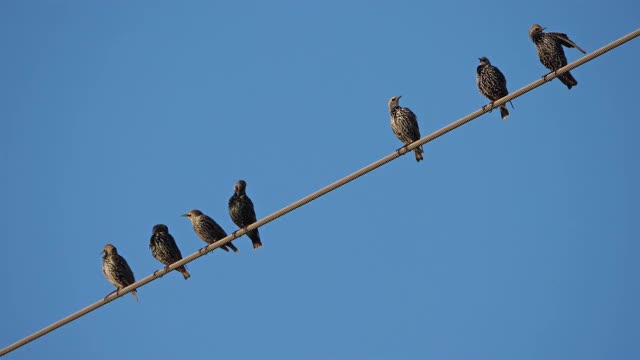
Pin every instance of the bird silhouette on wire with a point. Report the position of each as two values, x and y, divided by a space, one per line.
405 125
492 84
164 248
242 212
549 46
116 270
207 229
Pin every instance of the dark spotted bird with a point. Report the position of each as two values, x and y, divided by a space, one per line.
549 47
492 84
164 248
242 213
405 125
116 270
207 229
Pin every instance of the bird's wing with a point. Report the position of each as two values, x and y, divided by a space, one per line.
173 248
251 213
415 128
500 76
564 39
127 274
214 228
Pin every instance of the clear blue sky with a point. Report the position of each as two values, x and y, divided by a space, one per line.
514 239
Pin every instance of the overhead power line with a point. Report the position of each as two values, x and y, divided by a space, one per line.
307 199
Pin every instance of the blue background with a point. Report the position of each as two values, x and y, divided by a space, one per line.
514 239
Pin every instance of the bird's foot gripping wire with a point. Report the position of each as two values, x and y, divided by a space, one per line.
489 105
165 268
109 294
544 77
246 229
399 151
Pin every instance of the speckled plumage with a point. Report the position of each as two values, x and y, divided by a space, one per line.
492 84
164 248
405 125
116 269
207 229
242 212
549 46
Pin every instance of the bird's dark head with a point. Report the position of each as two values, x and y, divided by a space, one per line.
484 61
240 187
394 102
535 30
193 214
109 250
160 228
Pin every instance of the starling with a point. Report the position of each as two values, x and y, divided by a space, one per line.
207 229
242 213
164 248
492 84
550 52
405 125
116 269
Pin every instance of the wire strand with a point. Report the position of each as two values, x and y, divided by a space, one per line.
307 199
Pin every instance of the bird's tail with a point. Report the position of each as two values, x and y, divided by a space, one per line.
133 292
254 235
568 80
418 151
224 247
233 247
504 112
184 272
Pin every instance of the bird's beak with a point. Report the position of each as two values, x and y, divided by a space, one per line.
399 96
185 215
102 252
480 59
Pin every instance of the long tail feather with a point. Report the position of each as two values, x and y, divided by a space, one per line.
184 272
504 112
568 80
418 151
233 247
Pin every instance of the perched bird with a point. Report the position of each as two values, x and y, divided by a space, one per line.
207 229
492 84
405 125
116 270
550 52
242 213
164 249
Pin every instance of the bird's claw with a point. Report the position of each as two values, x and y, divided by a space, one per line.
165 268
490 105
399 151
109 294
555 73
